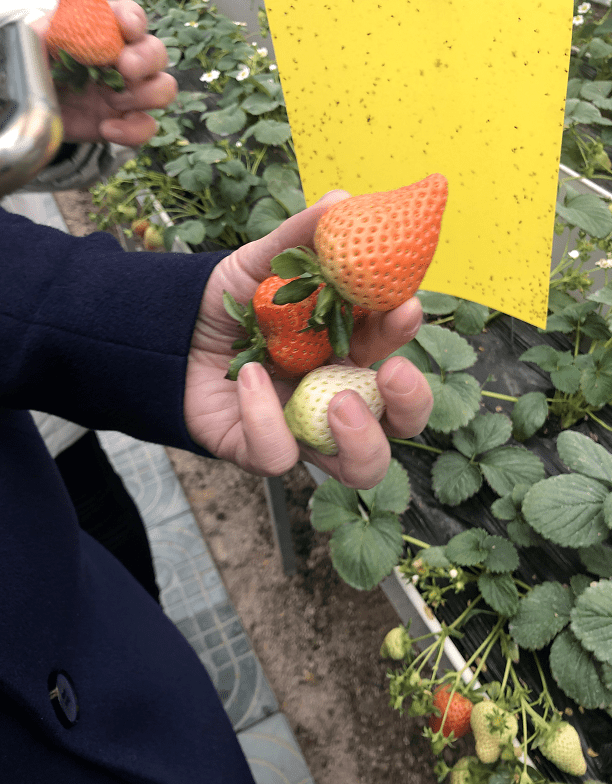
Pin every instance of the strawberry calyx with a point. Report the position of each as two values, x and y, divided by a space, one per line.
252 347
332 311
76 75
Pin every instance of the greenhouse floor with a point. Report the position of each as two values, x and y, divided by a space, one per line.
192 592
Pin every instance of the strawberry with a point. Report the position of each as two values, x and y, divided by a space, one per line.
461 771
139 226
153 239
306 411
276 332
493 728
371 250
87 30
562 747
457 713
397 644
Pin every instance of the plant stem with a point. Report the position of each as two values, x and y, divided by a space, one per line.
416 445
498 396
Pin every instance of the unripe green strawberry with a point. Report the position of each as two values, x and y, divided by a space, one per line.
493 727
153 239
306 411
396 645
562 747
460 773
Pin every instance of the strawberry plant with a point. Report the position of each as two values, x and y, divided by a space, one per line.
222 165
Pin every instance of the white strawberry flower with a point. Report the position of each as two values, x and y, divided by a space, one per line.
584 8
210 76
578 20
243 73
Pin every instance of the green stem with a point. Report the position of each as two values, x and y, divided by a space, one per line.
599 421
498 396
416 445
416 542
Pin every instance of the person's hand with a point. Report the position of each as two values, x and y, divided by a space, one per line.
101 114
242 421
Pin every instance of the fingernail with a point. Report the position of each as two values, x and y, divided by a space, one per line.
349 410
251 376
402 379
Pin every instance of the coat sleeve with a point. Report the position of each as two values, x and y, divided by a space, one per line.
95 334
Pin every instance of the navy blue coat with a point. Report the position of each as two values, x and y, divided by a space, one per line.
96 685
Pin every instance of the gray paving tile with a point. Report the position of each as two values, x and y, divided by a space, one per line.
273 754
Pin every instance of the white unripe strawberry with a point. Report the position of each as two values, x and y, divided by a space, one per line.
306 411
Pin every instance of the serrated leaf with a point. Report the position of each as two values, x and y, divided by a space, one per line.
364 553
502 555
436 304
333 505
271 132
522 534
577 673
392 493
597 559
226 121
579 583
587 212
233 308
567 509
450 351
265 216
528 415
470 317
434 557
192 231
466 548
541 615
454 478
491 430
596 383
456 401
508 466
504 508
196 178
499 592
546 357
592 620
412 351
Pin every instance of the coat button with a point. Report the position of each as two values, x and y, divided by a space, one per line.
64 698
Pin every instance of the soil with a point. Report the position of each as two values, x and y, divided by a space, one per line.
316 638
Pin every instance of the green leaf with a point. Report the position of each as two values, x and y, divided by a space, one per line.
333 505
265 216
499 592
490 431
541 615
596 382
597 559
502 555
234 309
271 132
567 509
592 620
522 534
259 103
577 673
434 557
528 415
456 401
508 466
437 304
295 291
196 178
226 121
364 553
587 212
454 478
450 351
470 318
546 357
192 231
467 548
233 190
392 494
581 454
293 262
412 351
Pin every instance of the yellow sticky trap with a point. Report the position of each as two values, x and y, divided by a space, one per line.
381 93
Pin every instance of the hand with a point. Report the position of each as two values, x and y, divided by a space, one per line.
242 421
101 114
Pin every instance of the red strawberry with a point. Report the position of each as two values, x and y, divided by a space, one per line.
87 30
139 226
372 250
458 715
276 332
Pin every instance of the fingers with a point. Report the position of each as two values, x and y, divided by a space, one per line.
142 59
131 129
363 449
383 333
270 448
131 18
407 396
